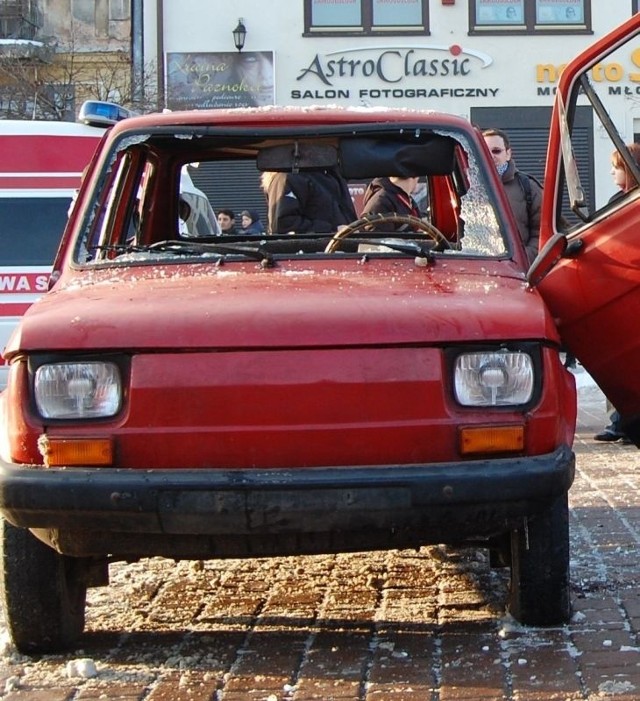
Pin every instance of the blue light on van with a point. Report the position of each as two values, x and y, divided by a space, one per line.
98 113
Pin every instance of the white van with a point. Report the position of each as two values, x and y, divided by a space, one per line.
41 165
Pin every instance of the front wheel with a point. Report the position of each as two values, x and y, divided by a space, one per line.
43 592
540 585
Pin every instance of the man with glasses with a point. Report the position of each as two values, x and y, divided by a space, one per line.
523 191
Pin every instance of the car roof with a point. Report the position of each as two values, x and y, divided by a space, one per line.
286 115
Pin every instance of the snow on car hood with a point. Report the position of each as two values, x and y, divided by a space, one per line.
351 304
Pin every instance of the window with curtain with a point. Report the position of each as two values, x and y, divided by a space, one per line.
391 17
530 16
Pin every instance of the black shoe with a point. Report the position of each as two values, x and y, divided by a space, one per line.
607 436
626 441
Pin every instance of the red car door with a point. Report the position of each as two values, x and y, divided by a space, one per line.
588 269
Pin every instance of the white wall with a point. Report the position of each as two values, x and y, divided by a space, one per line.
510 79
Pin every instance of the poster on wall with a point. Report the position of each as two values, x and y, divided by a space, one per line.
220 80
560 11
500 12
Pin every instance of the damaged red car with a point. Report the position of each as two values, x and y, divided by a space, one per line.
392 383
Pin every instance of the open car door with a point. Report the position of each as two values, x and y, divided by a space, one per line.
588 268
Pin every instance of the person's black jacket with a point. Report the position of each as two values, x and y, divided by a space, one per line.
308 201
384 197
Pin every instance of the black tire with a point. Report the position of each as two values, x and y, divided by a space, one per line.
540 584
43 592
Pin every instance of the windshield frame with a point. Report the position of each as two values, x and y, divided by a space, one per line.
126 171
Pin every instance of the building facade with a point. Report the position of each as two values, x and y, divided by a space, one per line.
495 62
56 53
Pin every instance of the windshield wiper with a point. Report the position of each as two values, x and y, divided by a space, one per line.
193 248
411 248
257 253
158 247
186 248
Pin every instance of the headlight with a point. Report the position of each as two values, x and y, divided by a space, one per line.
499 378
83 390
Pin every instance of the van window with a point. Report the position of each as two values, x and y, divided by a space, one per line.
31 228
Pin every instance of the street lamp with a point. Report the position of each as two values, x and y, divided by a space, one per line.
239 34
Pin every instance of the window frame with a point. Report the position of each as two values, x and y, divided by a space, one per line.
32 225
366 27
529 26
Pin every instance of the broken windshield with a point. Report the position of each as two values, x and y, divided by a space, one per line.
166 189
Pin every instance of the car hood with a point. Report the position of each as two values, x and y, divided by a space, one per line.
243 306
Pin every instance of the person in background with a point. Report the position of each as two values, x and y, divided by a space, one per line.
523 192
227 221
624 181
184 212
613 430
251 223
308 201
392 195
623 178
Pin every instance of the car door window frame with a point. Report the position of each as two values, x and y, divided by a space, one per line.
561 167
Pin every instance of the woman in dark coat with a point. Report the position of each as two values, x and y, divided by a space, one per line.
315 200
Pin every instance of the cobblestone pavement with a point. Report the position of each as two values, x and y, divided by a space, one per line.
403 626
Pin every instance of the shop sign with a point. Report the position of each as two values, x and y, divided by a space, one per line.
604 72
392 72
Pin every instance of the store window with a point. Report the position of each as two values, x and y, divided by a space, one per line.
390 17
530 16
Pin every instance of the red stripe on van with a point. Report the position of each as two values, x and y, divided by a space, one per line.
41 182
14 309
31 153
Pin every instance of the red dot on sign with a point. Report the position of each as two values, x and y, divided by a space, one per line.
455 50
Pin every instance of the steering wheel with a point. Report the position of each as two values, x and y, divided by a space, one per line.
422 228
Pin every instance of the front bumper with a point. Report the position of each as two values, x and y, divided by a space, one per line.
232 513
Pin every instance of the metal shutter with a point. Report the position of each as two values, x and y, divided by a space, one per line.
231 185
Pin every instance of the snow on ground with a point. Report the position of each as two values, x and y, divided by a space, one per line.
590 396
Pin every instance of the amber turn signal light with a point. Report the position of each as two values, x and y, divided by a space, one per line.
76 452
491 439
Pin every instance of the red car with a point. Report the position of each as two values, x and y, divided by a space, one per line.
195 395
